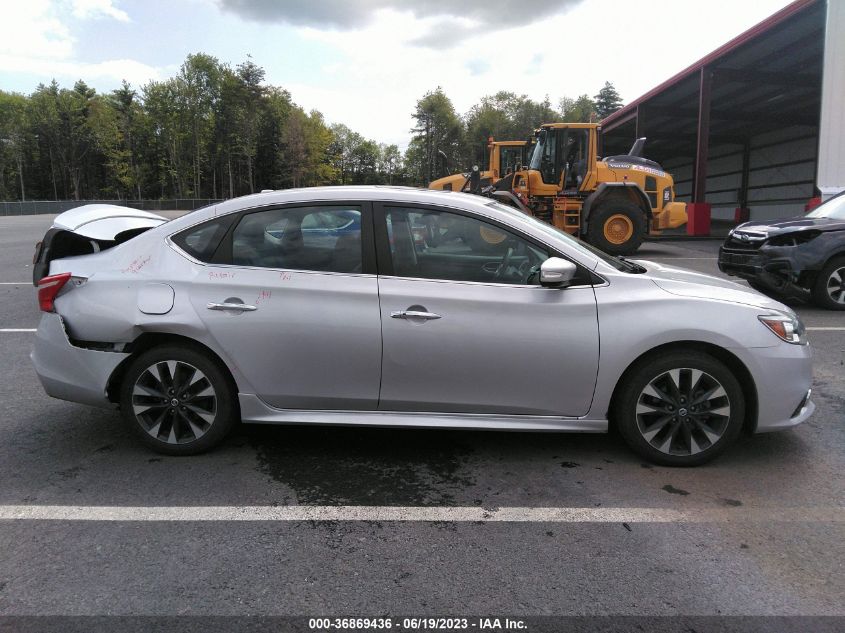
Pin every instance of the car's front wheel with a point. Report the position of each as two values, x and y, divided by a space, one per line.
680 408
829 289
178 400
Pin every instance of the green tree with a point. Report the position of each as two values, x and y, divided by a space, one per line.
343 145
14 133
438 130
389 163
163 104
580 110
130 124
108 141
197 90
209 130
607 101
44 119
504 116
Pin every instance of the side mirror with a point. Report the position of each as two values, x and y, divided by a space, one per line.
556 272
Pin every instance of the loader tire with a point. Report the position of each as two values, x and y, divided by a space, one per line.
617 227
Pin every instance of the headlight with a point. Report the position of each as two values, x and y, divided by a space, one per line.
786 327
793 239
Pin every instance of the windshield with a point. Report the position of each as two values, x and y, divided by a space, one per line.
553 231
537 152
833 209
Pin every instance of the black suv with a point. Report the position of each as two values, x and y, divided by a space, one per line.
802 257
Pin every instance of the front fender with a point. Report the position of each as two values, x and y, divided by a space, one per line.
608 188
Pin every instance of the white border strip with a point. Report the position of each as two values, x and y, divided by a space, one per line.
834 328
834 514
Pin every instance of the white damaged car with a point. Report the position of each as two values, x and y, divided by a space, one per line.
389 306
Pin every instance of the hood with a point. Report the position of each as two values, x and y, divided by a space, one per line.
770 228
105 221
688 283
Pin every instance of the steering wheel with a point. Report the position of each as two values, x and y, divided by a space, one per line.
503 267
525 272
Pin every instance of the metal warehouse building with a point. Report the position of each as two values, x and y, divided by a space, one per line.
757 127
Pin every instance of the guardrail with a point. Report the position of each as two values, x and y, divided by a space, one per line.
38 207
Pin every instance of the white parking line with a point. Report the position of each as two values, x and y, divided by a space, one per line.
15 283
835 514
18 329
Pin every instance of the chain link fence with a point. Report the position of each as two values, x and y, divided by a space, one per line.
38 207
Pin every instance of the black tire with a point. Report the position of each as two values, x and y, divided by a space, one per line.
606 212
713 427
824 285
197 417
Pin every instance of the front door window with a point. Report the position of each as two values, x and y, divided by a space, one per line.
442 245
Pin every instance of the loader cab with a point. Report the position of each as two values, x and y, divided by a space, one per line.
510 159
506 157
563 155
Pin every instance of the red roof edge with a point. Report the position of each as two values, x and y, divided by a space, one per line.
758 29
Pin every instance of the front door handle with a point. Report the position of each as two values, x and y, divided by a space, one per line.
414 314
232 307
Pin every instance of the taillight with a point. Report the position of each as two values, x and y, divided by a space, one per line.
48 289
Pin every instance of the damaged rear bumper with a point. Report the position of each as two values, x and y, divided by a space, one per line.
68 372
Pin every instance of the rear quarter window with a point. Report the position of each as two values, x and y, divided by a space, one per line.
201 241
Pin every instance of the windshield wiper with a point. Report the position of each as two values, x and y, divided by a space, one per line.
631 266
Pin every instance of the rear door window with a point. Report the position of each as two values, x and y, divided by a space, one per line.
322 239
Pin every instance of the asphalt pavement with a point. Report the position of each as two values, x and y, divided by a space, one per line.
758 532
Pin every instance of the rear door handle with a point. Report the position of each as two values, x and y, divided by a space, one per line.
232 307
414 314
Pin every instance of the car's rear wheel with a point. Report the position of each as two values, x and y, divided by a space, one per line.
178 400
829 289
680 408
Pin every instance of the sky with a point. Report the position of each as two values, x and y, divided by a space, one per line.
365 63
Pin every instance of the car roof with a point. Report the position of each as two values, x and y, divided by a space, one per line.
482 206
350 192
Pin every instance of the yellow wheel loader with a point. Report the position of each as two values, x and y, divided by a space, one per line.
504 157
611 202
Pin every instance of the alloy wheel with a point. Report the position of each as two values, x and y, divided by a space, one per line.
683 411
836 285
174 402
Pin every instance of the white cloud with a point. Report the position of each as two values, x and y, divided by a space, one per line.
383 72
31 28
85 9
35 40
455 20
111 71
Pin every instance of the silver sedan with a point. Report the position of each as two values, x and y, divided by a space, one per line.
388 306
